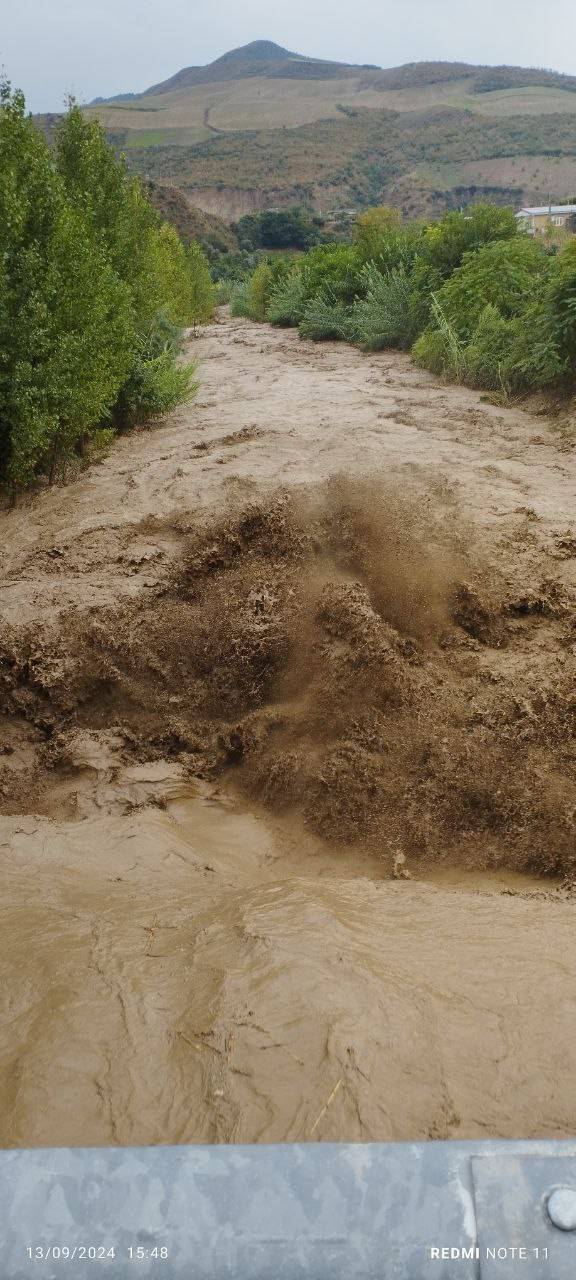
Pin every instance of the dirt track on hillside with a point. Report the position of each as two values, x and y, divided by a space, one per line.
288 767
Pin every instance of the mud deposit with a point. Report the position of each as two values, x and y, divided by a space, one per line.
288 768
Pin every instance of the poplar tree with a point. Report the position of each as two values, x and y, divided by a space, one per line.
66 329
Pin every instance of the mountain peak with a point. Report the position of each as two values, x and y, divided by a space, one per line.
260 57
258 50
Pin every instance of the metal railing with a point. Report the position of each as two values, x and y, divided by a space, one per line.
434 1211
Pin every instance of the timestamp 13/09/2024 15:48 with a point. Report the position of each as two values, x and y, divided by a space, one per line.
95 1253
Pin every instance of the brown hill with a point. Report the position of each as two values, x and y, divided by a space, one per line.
190 222
263 126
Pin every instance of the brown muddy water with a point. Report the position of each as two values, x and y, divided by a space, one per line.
288 768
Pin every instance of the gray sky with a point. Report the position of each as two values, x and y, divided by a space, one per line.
52 47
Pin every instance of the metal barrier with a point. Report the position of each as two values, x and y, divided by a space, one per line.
434 1211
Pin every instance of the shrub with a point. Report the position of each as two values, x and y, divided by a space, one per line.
202 296
381 239
239 299
440 349
506 276
234 267
223 291
490 319
390 315
445 243
286 306
334 271
156 385
536 359
373 228
486 361
561 306
252 297
259 291
186 281
278 229
325 318
432 351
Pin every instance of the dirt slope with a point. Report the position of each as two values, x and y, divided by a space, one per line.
288 767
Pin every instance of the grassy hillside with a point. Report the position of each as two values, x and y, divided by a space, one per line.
263 126
408 159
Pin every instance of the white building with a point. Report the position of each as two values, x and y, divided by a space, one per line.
538 219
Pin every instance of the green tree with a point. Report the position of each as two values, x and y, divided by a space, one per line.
561 306
165 284
446 242
116 206
336 270
186 293
279 229
373 229
506 275
202 289
66 332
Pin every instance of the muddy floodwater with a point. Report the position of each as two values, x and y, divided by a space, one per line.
288 767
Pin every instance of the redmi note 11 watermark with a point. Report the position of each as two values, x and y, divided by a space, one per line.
496 1253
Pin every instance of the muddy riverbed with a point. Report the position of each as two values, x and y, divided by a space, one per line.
288 767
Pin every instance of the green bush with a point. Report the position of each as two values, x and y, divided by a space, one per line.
488 322
239 299
234 267
278 229
286 306
487 358
156 385
334 271
445 243
432 350
325 318
185 275
561 307
373 229
260 291
390 315
223 292
536 359
202 296
252 296
156 382
381 239
506 276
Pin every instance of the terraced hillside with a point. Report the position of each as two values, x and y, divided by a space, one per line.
262 126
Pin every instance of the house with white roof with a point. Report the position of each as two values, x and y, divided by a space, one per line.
538 219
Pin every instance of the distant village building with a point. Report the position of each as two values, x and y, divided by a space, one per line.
539 219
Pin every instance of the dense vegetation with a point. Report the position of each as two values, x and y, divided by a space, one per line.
279 229
472 296
94 292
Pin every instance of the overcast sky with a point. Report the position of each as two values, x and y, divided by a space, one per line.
100 47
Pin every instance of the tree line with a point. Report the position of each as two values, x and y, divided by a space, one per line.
472 296
95 291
